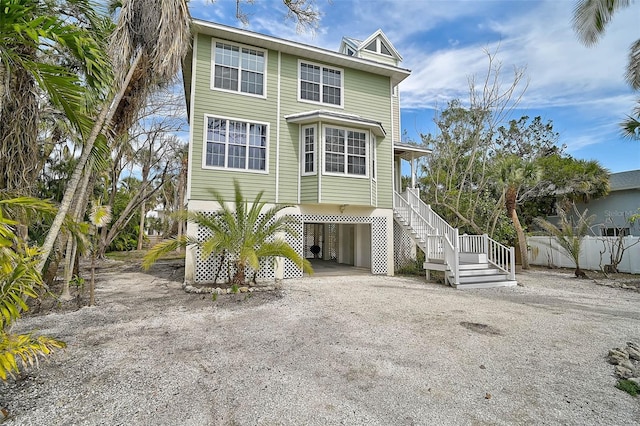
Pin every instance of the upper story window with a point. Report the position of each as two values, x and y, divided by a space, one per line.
235 144
320 84
238 69
345 151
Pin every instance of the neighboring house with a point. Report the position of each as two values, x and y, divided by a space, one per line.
318 130
613 211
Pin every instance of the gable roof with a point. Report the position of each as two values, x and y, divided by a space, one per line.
379 34
397 74
624 180
359 46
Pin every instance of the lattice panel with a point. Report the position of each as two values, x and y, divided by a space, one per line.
379 245
402 246
331 245
291 270
207 269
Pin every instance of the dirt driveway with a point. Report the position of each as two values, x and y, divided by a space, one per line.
333 350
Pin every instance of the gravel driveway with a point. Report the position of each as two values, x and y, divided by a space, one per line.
334 350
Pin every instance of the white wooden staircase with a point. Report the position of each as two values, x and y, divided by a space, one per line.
468 261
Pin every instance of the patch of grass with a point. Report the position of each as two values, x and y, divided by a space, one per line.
235 289
137 255
214 296
629 387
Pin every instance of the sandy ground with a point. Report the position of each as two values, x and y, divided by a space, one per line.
333 350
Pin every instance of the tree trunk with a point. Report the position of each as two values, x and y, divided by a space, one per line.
522 239
92 285
105 116
141 230
182 183
72 246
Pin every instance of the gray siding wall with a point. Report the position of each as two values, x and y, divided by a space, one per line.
614 210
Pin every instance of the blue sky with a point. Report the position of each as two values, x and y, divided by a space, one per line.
581 90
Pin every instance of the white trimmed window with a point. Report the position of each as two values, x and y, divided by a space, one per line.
320 84
235 144
345 151
309 149
238 69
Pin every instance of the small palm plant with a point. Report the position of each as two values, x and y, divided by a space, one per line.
246 235
568 236
19 280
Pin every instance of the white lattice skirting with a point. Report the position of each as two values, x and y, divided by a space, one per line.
206 270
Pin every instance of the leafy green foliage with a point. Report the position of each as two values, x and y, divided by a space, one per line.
484 178
244 235
568 235
19 280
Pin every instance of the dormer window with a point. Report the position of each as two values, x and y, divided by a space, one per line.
384 49
378 46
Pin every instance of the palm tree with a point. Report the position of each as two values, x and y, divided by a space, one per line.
568 236
19 279
514 174
246 233
590 18
147 47
44 45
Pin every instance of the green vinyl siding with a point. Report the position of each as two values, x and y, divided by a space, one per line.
366 95
309 189
234 106
346 190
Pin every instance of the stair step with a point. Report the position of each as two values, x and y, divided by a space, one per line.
473 257
482 278
479 272
474 266
435 266
492 284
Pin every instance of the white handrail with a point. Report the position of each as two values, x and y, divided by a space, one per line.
441 241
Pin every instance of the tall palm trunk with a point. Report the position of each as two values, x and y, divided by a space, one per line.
510 201
105 116
80 202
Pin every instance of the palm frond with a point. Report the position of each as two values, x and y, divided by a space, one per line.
590 18
165 247
633 68
19 351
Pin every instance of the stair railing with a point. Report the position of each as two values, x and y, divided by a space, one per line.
501 256
440 239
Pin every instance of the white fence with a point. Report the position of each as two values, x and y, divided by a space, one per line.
544 251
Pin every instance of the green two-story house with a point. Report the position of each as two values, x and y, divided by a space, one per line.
310 127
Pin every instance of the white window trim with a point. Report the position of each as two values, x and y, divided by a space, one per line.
233 169
238 92
374 157
346 154
315 150
301 61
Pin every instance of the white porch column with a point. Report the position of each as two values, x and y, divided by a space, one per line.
413 172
